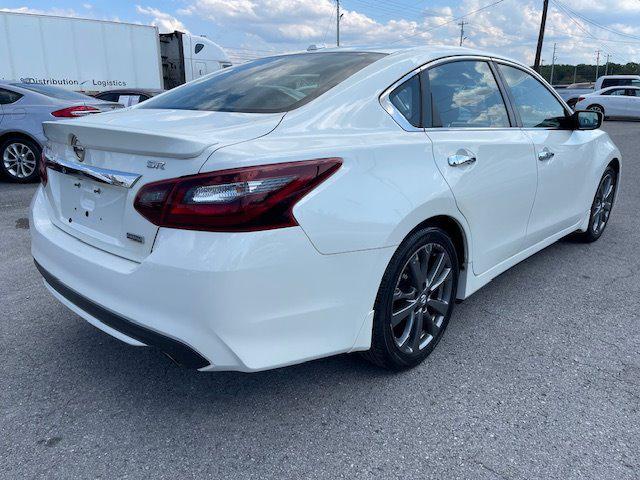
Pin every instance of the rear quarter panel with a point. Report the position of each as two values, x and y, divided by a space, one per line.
387 185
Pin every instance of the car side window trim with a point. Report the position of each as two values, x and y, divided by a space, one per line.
17 96
391 109
405 125
535 75
497 79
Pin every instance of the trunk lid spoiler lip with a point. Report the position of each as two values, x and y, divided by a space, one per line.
130 141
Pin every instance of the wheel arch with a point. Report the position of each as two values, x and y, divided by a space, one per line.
455 231
18 134
615 164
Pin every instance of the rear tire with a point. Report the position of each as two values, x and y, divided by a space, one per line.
415 300
19 159
601 207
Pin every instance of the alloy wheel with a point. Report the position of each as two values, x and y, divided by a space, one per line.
603 203
596 108
19 160
421 298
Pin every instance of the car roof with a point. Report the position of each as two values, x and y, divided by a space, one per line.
428 52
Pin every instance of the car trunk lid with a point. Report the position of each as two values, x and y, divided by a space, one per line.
98 163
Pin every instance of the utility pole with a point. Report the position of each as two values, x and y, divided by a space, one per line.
553 63
575 73
543 22
337 23
597 63
606 68
462 37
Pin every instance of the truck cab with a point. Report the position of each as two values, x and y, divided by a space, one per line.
186 57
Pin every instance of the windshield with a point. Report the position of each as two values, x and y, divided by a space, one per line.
54 92
268 85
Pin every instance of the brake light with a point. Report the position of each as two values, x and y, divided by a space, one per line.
42 170
73 112
580 99
237 200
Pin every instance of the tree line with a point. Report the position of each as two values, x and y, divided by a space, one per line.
567 74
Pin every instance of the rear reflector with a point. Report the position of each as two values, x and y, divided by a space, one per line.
73 112
236 200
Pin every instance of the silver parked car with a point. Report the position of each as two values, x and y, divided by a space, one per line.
23 108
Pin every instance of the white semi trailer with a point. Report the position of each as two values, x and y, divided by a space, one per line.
95 55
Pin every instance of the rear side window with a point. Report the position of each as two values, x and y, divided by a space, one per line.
466 94
268 85
537 106
7 96
407 100
108 97
614 92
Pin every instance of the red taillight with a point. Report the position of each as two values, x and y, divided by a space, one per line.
42 170
580 99
237 200
73 112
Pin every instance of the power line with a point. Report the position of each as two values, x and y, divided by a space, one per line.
596 24
455 19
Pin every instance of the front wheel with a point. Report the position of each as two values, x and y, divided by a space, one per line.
415 300
601 206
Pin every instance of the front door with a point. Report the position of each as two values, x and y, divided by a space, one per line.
561 155
488 164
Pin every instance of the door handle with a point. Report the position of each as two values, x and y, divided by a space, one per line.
545 154
461 158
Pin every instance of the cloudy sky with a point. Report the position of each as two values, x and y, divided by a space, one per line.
251 28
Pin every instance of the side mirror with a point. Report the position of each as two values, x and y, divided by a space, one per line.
587 120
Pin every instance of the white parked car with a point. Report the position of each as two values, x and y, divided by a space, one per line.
310 204
621 102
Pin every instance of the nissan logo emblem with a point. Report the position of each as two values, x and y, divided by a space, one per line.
78 148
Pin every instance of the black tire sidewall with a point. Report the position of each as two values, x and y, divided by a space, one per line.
37 152
593 236
382 327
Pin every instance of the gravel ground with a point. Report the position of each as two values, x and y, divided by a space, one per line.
537 377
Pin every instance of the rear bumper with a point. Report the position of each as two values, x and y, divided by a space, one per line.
176 350
215 301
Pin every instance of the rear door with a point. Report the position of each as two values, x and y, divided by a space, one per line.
614 102
487 161
634 102
561 154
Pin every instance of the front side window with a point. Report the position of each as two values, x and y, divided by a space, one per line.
406 99
615 92
268 85
466 94
7 96
537 106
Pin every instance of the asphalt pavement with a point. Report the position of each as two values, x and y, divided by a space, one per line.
537 377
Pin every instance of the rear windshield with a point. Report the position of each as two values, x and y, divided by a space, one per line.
268 85
49 91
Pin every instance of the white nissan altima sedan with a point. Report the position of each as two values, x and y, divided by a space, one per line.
310 204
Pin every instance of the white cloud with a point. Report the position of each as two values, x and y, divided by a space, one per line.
61 12
510 27
164 21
